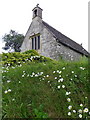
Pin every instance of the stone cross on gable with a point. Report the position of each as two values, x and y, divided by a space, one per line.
37 5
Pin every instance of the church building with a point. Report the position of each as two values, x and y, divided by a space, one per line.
50 42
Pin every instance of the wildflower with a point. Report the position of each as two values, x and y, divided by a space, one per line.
33 73
74 111
41 73
57 71
48 81
28 75
59 87
80 111
69 107
81 105
8 81
63 86
72 71
59 75
63 68
13 99
47 75
71 79
5 91
36 75
42 78
68 93
60 72
80 115
55 77
53 71
82 68
22 75
9 90
86 97
23 71
68 99
85 110
75 75
59 80
69 113
19 82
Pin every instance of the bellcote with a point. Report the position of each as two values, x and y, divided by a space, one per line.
37 12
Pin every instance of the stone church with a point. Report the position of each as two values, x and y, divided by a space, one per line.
50 42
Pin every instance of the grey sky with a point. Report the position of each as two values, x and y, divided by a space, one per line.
68 16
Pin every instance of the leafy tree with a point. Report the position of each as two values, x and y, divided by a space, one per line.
13 40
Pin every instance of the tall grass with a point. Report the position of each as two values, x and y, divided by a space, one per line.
46 89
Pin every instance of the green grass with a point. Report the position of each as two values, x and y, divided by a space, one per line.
38 88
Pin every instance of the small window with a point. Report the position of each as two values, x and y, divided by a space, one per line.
32 43
35 12
35 43
38 42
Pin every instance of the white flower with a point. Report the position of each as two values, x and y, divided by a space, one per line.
61 79
59 75
69 113
68 93
33 73
86 110
8 81
57 71
5 91
60 72
41 73
69 107
74 111
81 105
68 99
53 71
75 75
80 115
59 87
71 79
36 75
80 111
82 68
63 86
22 75
63 68
72 71
19 82
13 99
9 90
47 75
55 77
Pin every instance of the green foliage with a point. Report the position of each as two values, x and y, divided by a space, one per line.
44 88
13 40
17 58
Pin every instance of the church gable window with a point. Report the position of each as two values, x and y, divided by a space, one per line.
35 41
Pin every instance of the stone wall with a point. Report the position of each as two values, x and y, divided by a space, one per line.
49 46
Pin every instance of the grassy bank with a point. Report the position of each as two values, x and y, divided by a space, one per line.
38 87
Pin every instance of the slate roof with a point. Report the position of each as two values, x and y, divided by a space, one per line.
66 41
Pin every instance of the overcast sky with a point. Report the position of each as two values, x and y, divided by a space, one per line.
70 17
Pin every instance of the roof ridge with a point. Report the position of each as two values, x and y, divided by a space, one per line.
66 40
